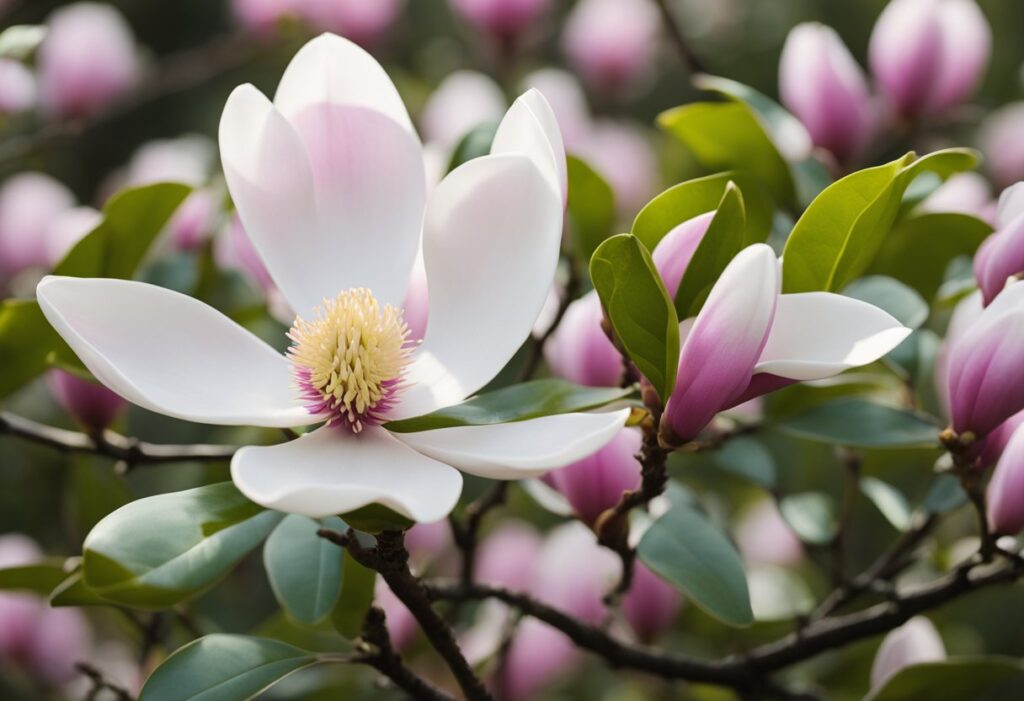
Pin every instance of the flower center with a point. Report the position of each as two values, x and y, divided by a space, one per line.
350 359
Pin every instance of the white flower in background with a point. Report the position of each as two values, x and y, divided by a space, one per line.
328 180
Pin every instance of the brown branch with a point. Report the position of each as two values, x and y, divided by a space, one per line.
679 40
112 445
101 684
377 652
466 533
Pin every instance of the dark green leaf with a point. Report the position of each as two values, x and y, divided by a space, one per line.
40 577
686 550
528 400
93 491
356 596
889 501
476 143
902 302
374 518
224 668
156 552
74 592
304 569
944 495
811 515
862 424
26 340
954 679
639 309
591 208
747 458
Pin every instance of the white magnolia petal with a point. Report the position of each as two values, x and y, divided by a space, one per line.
530 128
331 69
330 471
520 449
271 183
819 334
490 246
171 353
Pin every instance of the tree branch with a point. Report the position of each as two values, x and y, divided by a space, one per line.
679 40
466 533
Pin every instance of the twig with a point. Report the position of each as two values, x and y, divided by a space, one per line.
851 488
679 40
100 683
467 532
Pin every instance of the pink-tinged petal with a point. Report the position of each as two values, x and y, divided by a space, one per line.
725 342
67 229
233 250
1006 490
329 472
966 193
60 640
463 100
538 657
171 353
491 238
596 482
915 642
821 83
530 128
579 349
520 449
17 87
764 537
1001 139
996 441
622 154
29 204
966 49
428 542
612 43
92 405
400 622
1011 202
564 93
194 221
417 301
370 187
1000 257
332 70
574 573
673 253
508 555
651 604
819 334
905 53
965 314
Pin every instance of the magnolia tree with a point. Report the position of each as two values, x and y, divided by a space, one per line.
498 419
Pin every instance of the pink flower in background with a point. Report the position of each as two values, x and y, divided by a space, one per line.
651 604
964 193
401 624
1001 139
92 405
915 642
612 43
463 100
506 20
568 101
17 87
233 250
929 55
1001 255
622 154
1006 489
263 17
579 350
362 21
821 83
67 229
764 537
508 555
596 483
87 61
29 204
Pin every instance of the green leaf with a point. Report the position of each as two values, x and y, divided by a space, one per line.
26 339
840 233
131 221
591 208
304 569
93 491
932 242
639 309
159 551
778 593
686 550
944 495
355 599
902 302
729 136
528 400
74 592
953 679
476 143
722 241
749 459
694 197
889 501
862 424
20 41
224 668
811 515
39 577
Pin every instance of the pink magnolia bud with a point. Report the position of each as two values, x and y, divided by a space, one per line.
622 154
507 557
965 193
596 483
194 220
464 100
985 366
673 253
914 642
538 656
29 204
1002 141
579 350
67 229
568 101
964 315
362 21
1000 257
17 87
87 61
651 605
233 250
821 83
929 55
612 43
505 19
92 405
996 441
1006 490
261 16
764 537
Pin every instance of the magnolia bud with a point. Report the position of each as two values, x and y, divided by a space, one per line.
87 60
464 100
233 250
29 204
914 642
504 19
673 253
194 220
17 87
262 16
92 405
67 229
579 349
1000 257
1006 490
764 537
821 83
1002 141
612 43
651 605
929 55
964 193
507 557
596 483
361 21
622 154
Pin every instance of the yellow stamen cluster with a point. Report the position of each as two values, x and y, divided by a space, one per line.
352 354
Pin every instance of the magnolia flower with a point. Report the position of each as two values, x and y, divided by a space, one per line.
764 537
361 21
463 100
1001 256
29 204
612 43
92 405
329 183
749 340
651 604
17 87
914 642
504 19
1001 139
966 193
1006 490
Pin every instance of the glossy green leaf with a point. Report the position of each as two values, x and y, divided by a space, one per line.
944 495
685 549
841 232
639 309
224 668
729 136
902 302
304 569
476 143
591 208
862 424
931 242
953 679
39 577
695 197
528 400
889 501
357 587
811 515
722 241
93 491
26 338
74 592
749 459
158 551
